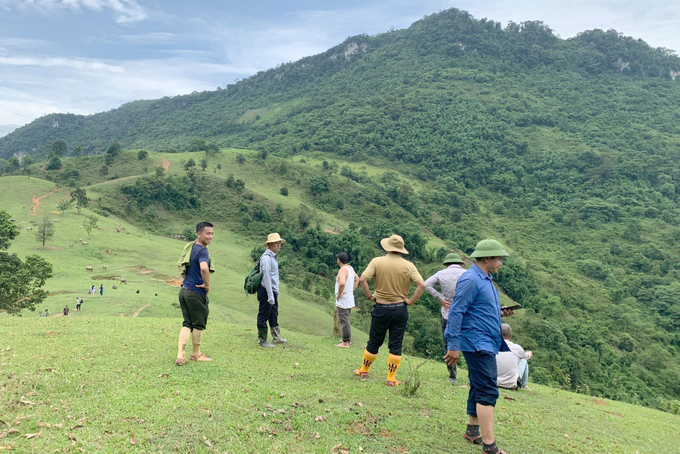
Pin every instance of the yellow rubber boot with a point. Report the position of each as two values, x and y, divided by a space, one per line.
393 362
368 360
196 339
184 335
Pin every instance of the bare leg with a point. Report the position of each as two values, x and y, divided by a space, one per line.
485 416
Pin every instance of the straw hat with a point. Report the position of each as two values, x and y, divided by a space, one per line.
395 243
274 238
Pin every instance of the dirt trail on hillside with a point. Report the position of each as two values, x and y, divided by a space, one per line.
37 199
141 309
166 164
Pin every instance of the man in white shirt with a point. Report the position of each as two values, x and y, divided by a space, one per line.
346 283
513 369
446 279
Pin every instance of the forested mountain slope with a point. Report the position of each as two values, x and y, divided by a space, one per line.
565 150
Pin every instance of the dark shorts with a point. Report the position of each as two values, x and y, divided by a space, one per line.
482 372
194 309
386 318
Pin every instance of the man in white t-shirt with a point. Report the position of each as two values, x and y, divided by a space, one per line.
345 284
513 369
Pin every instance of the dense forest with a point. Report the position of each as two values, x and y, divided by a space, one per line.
565 150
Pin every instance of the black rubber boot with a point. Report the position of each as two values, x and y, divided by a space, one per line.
262 338
276 335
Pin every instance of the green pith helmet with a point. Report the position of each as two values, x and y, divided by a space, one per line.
489 248
452 258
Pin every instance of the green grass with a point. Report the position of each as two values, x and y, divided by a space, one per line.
147 261
107 384
103 378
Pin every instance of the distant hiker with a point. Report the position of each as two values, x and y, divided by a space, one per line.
93 290
195 264
47 312
79 302
446 280
474 327
40 314
66 311
393 276
268 293
101 290
513 368
344 297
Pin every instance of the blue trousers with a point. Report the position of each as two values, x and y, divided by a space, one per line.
482 372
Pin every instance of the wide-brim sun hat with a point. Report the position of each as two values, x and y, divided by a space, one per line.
274 238
452 258
489 248
394 243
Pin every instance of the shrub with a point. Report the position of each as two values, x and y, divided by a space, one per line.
284 191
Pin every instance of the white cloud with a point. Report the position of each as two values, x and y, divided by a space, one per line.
124 10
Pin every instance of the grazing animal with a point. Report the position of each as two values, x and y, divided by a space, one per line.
85 243
70 245
137 291
123 281
104 267
29 228
75 241
89 268
114 287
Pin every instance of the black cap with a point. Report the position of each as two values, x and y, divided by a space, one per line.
343 257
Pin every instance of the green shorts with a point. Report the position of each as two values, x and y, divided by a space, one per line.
194 309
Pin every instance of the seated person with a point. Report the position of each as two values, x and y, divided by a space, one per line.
513 369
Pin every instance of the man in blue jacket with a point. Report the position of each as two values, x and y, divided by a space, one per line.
193 297
474 327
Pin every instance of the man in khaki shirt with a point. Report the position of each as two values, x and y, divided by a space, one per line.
393 276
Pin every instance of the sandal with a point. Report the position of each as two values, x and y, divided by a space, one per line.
474 439
200 357
180 361
493 449
361 374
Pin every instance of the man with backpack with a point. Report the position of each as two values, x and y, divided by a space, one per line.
268 293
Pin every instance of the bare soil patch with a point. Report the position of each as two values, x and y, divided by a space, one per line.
166 164
36 199
174 281
141 309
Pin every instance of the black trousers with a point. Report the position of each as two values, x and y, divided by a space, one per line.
268 312
384 319
194 309
452 369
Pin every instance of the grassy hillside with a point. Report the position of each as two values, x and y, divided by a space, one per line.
146 260
588 283
448 132
107 384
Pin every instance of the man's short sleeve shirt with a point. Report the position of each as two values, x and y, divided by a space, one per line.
193 276
393 276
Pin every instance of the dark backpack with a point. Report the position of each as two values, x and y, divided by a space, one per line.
253 280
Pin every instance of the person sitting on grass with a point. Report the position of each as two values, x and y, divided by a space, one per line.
513 369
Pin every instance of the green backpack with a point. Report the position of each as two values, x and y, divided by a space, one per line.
253 280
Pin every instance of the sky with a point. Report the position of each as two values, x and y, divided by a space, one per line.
88 56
